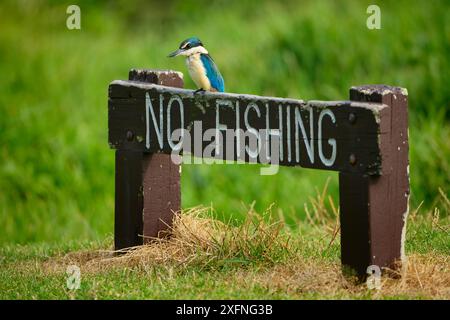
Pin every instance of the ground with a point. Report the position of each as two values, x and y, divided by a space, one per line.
204 258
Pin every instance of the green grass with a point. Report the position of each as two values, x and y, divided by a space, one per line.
56 170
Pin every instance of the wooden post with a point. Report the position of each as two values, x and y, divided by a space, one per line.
128 205
147 185
374 209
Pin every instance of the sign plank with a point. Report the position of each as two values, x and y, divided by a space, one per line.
339 135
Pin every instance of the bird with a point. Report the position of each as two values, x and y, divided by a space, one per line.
201 66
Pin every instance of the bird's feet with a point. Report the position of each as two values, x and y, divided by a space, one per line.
201 90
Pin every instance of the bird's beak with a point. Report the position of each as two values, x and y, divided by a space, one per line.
175 53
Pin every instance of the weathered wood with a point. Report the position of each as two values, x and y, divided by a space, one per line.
162 194
341 135
161 176
374 209
168 78
128 199
147 185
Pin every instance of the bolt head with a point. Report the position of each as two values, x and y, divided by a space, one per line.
352 159
352 118
130 135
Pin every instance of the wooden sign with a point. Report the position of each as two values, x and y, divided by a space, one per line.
341 135
152 121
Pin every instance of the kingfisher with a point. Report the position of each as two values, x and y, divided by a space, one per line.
201 66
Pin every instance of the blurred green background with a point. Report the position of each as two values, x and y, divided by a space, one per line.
56 169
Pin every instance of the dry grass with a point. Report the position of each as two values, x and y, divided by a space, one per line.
194 240
424 276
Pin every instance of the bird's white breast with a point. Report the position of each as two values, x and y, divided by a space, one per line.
197 71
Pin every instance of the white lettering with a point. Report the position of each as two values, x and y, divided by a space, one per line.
332 142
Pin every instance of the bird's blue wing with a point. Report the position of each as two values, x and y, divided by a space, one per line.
212 73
